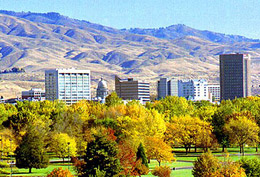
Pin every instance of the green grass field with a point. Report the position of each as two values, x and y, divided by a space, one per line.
180 157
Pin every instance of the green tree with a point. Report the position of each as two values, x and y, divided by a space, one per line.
140 154
251 166
113 99
101 154
30 153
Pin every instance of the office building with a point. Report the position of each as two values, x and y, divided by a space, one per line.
166 87
102 90
68 85
214 91
35 94
235 76
194 89
131 89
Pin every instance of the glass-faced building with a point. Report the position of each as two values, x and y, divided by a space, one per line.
235 78
68 85
166 87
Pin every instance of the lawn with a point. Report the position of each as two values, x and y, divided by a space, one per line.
39 172
180 156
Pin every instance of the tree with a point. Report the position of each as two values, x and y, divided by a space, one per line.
30 153
188 131
158 149
63 145
173 106
242 130
101 154
140 154
113 99
127 157
251 166
8 142
205 165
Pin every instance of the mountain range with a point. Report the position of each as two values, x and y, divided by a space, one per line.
40 41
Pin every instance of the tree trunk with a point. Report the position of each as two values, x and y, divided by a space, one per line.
30 169
159 162
240 149
186 150
149 160
223 148
195 149
256 148
243 150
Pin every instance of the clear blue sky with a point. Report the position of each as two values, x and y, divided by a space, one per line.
240 17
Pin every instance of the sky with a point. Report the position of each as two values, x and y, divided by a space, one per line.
241 17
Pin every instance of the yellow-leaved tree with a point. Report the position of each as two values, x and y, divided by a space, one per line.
188 131
63 145
242 130
157 149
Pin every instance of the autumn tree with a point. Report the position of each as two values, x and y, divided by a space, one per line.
8 142
242 130
188 131
157 149
63 145
205 165
127 157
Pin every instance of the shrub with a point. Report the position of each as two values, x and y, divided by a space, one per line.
205 165
139 169
229 169
251 166
162 171
59 172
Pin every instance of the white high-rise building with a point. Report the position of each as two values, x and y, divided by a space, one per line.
193 89
68 85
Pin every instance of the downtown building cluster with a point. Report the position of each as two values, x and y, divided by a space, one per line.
71 85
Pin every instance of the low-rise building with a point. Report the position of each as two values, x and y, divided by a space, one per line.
35 94
131 89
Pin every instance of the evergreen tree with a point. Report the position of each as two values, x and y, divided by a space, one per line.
30 153
101 154
141 155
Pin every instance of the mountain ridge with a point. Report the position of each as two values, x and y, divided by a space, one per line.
36 42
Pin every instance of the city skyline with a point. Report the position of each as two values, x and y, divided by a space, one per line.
240 17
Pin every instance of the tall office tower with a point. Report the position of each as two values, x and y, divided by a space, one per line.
235 76
130 89
69 85
194 89
167 87
214 90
